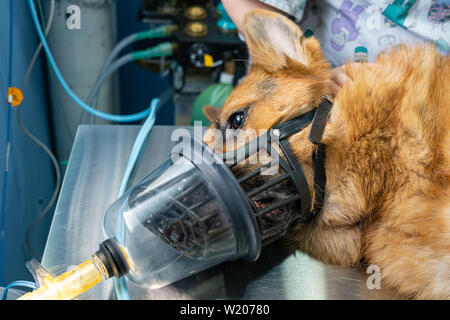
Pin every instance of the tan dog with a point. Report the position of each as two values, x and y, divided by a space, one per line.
387 197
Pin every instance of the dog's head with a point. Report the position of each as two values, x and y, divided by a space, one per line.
288 77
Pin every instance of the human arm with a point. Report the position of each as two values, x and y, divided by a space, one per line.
237 9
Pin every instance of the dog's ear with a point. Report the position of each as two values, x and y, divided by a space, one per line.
211 113
273 39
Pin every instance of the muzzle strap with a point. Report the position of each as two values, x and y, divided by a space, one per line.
320 121
320 179
298 177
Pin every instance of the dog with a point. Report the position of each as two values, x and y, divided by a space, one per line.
387 195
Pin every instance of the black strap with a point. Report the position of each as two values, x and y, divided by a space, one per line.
298 176
293 126
320 121
319 155
320 178
319 118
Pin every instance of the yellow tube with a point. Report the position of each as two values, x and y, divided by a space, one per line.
70 284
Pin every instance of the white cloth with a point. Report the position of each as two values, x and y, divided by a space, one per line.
355 30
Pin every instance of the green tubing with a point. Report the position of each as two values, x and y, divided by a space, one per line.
159 32
161 50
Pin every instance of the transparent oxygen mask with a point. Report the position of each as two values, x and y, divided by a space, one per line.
172 224
186 216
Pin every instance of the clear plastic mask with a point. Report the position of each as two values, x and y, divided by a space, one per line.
174 223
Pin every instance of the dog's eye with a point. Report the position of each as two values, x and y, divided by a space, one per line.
236 120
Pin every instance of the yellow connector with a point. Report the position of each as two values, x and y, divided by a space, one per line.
70 284
111 260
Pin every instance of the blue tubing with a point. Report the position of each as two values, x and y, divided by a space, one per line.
19 283
103 115
120 285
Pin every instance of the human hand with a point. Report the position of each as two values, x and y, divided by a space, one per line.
339 75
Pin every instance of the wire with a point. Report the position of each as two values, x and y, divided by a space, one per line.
110 117
39 48
160 50
19 283
117 49
109 70
41 13
55 192
114 53
40 143
159 32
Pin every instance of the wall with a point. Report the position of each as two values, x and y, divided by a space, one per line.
30 177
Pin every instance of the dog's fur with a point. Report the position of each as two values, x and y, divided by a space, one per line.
388 151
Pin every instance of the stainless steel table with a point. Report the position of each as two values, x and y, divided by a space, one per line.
91 184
